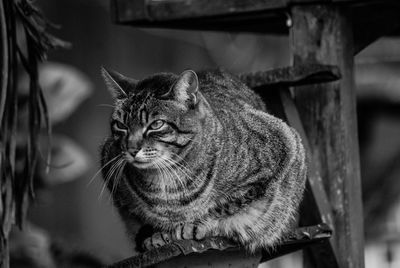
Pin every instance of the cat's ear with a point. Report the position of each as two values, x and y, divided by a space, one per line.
117 84
186 88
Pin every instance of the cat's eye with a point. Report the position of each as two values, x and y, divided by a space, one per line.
119 125
156 124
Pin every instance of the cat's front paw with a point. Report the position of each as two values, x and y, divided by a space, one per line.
157 240
190 231
184 231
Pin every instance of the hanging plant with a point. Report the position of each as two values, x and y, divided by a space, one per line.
24 43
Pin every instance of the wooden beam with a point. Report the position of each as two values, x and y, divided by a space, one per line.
314 178
129 10
173 9
322 34
373 18
290 76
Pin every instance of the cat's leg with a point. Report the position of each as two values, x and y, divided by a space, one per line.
258 225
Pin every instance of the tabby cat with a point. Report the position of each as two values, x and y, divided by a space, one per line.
197 155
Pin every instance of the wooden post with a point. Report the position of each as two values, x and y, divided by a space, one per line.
322 34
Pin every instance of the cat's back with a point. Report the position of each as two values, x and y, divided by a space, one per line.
227 91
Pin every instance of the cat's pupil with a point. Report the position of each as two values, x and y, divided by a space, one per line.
120 125
157 124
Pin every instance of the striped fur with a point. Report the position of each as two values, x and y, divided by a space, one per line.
231 168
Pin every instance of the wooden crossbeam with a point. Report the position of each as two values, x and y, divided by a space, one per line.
131 11
290 76
371 18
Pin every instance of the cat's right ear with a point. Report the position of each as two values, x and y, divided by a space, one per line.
117 83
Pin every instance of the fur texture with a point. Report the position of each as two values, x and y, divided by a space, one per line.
198 155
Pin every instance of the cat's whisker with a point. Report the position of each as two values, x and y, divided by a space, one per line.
173 176
179 168
192 140
106 105
183 168
158 171
168 178
177 177
162 173
116 175
180 158
181 182
192 176
109 176
188 173
107 179
117 178
101 168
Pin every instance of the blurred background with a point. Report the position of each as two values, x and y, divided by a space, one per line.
70 207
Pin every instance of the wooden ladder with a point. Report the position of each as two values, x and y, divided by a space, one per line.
325 35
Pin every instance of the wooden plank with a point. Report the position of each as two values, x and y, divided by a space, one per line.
157 10
373 18
221 252
200 15
323 35
291 76
128 10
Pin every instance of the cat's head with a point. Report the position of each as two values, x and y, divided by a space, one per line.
155 119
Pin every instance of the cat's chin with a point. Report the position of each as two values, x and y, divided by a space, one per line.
143 165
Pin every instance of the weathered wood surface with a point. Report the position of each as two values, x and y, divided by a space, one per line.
316 202
373 18
153 10
221 252
291 76
323 35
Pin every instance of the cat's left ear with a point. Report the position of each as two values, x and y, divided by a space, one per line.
186 88
118 84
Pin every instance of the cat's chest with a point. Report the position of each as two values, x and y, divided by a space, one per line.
162 208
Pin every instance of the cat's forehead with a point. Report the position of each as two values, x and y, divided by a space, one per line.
135 106
146 96
156 85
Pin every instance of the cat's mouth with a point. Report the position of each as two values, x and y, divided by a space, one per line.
143 165
141 162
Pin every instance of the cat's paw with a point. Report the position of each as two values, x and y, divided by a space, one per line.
157 240
189 231
184 231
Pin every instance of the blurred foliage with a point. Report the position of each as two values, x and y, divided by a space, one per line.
64 88
24 42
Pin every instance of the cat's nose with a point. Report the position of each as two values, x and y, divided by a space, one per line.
133 151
